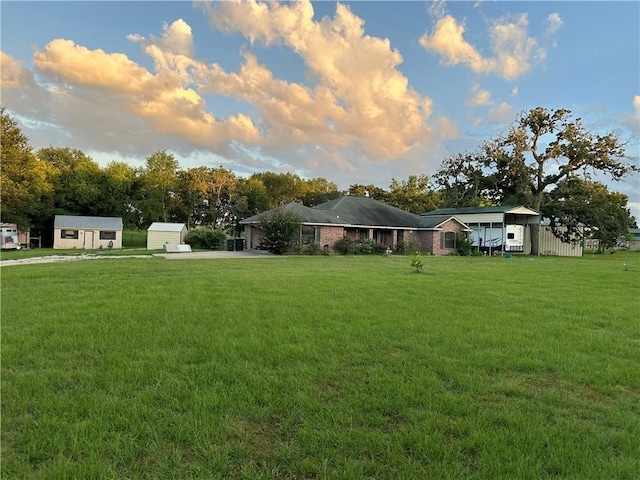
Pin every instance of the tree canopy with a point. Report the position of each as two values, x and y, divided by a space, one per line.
542 154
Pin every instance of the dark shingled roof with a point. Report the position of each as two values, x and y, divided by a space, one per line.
308 215
369 212
359 211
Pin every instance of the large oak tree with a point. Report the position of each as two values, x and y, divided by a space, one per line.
540 151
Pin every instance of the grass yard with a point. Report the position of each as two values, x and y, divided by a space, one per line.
322 368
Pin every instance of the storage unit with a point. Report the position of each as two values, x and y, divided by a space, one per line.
71 231
159 234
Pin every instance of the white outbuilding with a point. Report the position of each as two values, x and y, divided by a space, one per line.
70 231
159 234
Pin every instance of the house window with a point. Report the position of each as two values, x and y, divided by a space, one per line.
107 235
69 234
308 235
448 240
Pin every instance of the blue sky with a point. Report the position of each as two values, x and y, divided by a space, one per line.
355 92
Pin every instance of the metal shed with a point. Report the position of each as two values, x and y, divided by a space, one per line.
159 234
70 231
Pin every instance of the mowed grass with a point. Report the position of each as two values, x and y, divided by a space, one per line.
322 368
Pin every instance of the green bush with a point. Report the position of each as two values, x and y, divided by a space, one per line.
205 238
345 246
369 247
400 247
281 228
314 249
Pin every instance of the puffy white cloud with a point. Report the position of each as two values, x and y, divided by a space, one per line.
360 91
358 105
514 92
514 50
553 23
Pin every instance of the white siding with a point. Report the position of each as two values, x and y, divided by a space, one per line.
156 239
87 238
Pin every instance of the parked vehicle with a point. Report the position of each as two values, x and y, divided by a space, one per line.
9 236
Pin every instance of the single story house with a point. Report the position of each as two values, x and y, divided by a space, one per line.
362 218
159 234
71 231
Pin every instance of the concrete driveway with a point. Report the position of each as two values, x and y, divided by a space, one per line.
168 256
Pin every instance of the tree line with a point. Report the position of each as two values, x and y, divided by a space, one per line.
513 169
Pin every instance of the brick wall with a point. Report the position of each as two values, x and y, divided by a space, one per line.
330 235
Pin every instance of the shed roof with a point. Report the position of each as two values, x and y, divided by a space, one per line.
518 210
166 227
73 221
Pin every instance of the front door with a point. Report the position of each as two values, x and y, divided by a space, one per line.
88 238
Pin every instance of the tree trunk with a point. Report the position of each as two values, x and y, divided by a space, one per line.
535 240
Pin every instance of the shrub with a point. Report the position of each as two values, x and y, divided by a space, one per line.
400 247
314 249
369 247
465 245
345 246
281 228
205 238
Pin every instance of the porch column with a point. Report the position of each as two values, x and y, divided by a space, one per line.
394 239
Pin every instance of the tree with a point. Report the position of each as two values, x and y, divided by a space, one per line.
280 228
317 191
370 191
413 195
77 180
26 193
158 183
207 193
281 188
541 149
585 207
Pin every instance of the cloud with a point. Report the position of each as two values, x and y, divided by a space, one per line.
514 92
553 23
479 98
514 50
632 122
501 113
438 9
356 104
360 91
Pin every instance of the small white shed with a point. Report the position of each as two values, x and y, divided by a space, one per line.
159 234
71 231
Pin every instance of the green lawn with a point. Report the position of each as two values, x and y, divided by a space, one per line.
322 368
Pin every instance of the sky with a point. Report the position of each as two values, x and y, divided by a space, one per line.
354 92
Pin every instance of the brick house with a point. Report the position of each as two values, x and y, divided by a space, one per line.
362 218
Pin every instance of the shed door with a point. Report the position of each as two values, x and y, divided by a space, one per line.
88 238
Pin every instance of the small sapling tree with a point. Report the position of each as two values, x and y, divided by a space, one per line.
417 263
